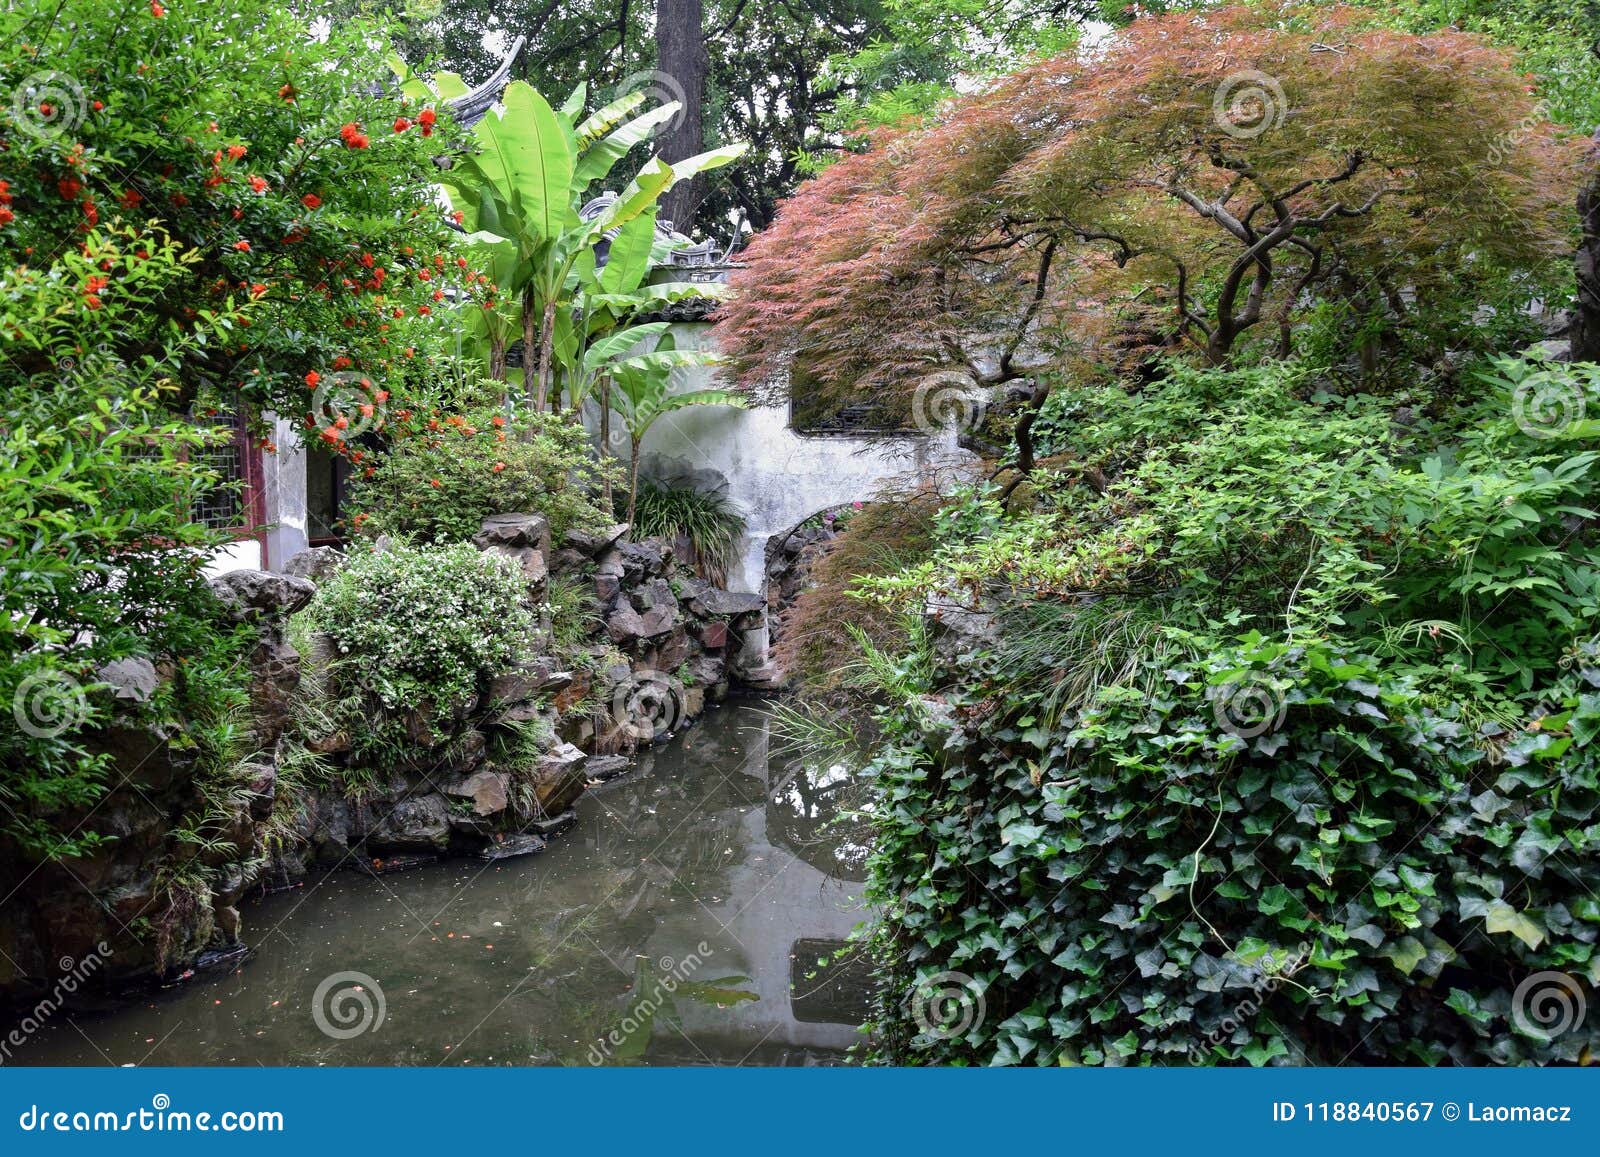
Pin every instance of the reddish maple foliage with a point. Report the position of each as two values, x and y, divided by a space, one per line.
1193 183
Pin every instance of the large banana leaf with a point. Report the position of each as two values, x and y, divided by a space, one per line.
600 122
648 297
525 154
615 344
598 158
628 260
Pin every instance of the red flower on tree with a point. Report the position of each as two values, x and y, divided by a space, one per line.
311 201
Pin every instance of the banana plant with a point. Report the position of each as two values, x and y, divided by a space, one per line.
519 194
641 388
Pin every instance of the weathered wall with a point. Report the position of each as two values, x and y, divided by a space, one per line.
776 477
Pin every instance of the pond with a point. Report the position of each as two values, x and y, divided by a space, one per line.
695 914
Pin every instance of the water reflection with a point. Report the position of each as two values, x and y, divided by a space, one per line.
711 867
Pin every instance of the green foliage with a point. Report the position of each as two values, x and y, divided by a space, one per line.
1127 888
445 469
709 522
98 560
423 627
1287 705
264 153
518 195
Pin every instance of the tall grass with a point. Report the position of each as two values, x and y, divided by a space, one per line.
708 522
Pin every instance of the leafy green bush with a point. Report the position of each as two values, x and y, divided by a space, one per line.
275 159
98 560
1281 853
1288 713
423 627
449 467
709 522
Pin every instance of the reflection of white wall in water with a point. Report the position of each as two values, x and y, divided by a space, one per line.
774 476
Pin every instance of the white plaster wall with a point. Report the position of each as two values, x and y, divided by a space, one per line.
776 477
284 482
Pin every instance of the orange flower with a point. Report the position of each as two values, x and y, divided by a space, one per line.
157 11
259 184
435 483
499 466
401 124
287 92
242 246
312 378
235 152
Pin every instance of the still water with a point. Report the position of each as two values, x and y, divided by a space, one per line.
694 915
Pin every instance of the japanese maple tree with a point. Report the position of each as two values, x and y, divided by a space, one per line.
1196 183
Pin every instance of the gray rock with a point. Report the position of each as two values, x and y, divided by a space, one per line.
603 767
553 826
418 824
133 680
529 530
486 790
592 543
509 847
558 778
713 602
318 564
531 561
249 595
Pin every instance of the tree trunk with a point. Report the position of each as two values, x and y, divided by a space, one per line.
530 350
497 358
605 438
547 332
1586 314
681 55
633 483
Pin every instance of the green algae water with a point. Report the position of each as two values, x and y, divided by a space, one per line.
695 914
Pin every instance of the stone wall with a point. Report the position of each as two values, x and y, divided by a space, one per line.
666 644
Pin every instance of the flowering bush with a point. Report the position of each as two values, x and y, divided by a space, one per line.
421 627
98 558
264 153
450 466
